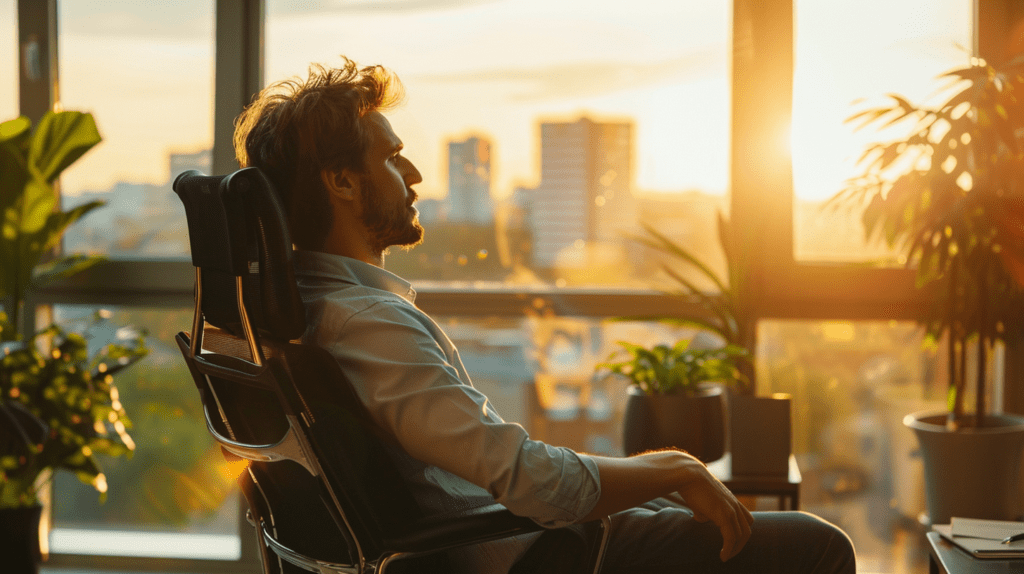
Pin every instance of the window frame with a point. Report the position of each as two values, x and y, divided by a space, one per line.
761 205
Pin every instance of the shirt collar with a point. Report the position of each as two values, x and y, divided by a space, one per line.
348 270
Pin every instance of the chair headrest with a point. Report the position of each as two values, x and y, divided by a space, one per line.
237 228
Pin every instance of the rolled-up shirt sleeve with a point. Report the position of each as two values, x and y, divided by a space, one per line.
415 392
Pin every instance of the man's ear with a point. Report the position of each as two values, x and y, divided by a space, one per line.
342 184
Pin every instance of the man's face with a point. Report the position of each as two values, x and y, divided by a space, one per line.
386 192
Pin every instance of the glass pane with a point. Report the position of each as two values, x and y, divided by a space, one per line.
850 54
175 496
851 385
154 109
545 131
9 62
540 371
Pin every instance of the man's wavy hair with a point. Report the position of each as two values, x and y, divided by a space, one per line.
293 130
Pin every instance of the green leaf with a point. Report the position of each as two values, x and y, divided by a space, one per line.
46 273
971 73
718 305
15 130
668 246
57 222
30 209
59 140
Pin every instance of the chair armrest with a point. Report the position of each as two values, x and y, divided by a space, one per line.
478 525
426 536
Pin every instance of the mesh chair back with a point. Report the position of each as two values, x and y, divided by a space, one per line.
236 229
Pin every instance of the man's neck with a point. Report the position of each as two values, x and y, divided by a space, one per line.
351 241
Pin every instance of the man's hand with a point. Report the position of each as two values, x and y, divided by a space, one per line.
629 482
711 500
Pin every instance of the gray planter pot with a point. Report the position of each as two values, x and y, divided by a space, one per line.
973 472
760 435
694 423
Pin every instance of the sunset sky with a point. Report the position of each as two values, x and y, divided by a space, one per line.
497 68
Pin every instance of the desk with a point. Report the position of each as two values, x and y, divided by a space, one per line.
782 487
947 558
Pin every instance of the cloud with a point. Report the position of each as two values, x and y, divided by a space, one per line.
369 6
181 20
582 79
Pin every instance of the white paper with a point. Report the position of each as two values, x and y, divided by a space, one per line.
985 529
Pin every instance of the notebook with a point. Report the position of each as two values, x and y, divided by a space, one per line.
983 538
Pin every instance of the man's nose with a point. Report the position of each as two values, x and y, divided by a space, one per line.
412 175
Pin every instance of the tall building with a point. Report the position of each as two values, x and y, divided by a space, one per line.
585 197
181 162
469 182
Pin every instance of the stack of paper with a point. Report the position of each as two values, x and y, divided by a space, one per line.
984 538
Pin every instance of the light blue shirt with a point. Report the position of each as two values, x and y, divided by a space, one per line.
456 451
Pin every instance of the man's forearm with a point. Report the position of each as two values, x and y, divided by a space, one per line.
628 482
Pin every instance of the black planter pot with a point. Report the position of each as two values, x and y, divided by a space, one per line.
19 539
694 423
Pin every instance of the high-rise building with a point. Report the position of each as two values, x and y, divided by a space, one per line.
181 162
469 182
585 198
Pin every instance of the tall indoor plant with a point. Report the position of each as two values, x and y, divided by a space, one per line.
950 194
59 408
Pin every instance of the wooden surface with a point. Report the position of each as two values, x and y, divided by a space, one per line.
948 558
784 488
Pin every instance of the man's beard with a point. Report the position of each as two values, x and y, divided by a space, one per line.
389 224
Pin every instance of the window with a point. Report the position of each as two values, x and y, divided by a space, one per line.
851 384
539 370
154 109
175 496
9 63
545 132
654 80
848 55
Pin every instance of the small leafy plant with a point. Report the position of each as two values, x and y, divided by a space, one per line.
60 408
725 313
679 369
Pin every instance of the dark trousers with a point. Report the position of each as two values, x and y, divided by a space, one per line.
662 537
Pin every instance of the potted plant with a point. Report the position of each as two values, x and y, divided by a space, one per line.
728 315
59 408
950 194
674 401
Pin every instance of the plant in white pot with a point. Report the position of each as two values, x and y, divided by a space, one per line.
949 192
676 397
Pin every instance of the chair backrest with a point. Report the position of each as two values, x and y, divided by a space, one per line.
321 473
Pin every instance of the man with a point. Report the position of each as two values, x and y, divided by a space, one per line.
339 168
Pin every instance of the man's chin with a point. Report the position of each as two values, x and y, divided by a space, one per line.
412 237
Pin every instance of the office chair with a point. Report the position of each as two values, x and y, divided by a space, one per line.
323 494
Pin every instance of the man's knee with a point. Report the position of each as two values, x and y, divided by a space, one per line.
832 546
